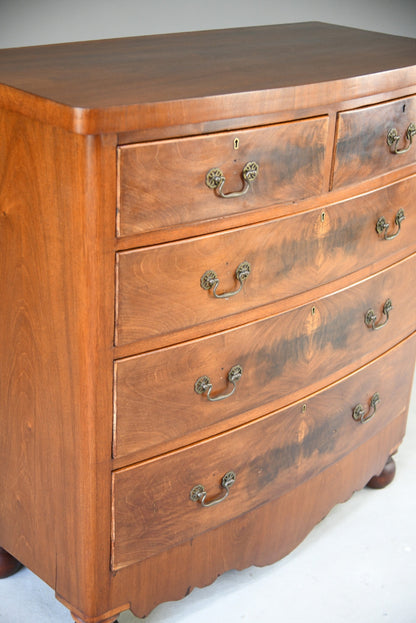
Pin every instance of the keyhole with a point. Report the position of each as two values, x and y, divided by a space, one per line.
313 310
322 217
404 107
236 143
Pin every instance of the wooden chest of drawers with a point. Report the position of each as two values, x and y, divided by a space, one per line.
208 267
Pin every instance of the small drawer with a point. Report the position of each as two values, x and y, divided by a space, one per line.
169 288
365 143
282 358
152 505
169 183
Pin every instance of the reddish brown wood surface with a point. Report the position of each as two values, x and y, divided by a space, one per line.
164 183
285 522
126 84
385 477
282 357
152 505
58 244
99 619
158 288
362 151
55 339
8 564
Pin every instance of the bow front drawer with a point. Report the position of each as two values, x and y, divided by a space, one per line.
374 140
166 289
212 383
173 182
158 503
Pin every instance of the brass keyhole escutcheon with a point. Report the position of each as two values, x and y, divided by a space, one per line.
236 143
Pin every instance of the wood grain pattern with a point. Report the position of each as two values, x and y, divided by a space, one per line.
100 619
152 506
282 357
158 288
264 214
163 184
55 340
127 84
286 522
362 151
64 112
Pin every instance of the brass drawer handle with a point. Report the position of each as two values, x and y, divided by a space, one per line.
393 138
382 225
198 493
370 317
203 384
360 415
210 280
215 179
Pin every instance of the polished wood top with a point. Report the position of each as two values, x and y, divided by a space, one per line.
120 84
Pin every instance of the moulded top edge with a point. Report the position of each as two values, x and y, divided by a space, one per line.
120 85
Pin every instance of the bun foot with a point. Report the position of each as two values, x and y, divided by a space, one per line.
385 477
8 564
106 620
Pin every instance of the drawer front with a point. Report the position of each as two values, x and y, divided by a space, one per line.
282 357
362 148
152 508
159 289
164 184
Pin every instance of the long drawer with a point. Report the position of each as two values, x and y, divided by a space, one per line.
156 504
368 138
168 183
281 357
166 289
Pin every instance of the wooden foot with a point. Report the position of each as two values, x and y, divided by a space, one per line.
106 620
8 564
385 477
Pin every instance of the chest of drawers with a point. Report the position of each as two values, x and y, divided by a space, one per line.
208 267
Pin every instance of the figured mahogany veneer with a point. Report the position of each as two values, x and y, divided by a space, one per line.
283 357
270 457
296 253
168 176
107 226
361 155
